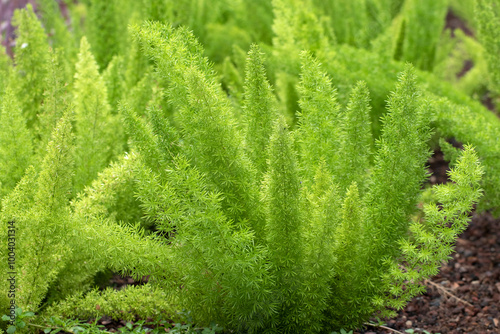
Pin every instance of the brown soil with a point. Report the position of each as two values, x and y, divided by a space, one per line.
465 296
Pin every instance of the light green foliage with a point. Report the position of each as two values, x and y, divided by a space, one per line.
320 117
481 131
226 273
16 149
322 204
97 133
38 207
54 105
144 139
144 301
356 145
95 228
204 115
304 301
142 94
402 151
424 22
282 198
260 109
487 16
342 139
454 115
289 206
180 204
349 245
434 237
31 59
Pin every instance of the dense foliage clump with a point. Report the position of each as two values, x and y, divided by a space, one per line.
266 172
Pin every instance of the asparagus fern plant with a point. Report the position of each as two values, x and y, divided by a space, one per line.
285 199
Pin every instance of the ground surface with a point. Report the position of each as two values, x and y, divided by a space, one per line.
465 296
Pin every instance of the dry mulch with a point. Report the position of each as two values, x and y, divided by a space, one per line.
465 296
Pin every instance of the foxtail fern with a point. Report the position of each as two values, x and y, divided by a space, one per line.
285 200
318 240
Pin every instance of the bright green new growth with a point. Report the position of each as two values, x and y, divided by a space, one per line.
271 209
487 16
282 199
357 138
399 164
260 109
211 139
321 208
16 149
55 102
319 119
435 236
38 209
97 134
31 59
302 265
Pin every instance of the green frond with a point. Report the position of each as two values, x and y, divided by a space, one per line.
260 107
56 101
221 280
348 300
434 237
320 120
399 169
42 222
31 59
204 115
356 140
487 14
16 147
322 207
98 137
281 196
94 228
